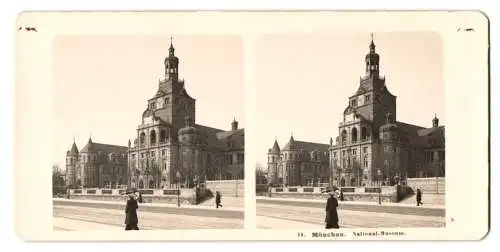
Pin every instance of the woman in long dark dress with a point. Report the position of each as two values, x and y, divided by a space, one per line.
332 218
131 220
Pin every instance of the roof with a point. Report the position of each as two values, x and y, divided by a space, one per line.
229 134
422 135
427 131
305 146
217 138
408 127
106 148
276 147
432 137
235 138
74 149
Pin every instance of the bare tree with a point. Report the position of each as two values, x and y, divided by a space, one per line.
259 170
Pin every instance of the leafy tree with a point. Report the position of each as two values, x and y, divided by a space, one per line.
58 182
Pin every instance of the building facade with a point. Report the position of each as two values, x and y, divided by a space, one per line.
96 165
298 164
172 149
168 143
372 146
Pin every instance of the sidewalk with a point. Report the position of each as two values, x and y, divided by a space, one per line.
67 224
366 203
227 202
162 205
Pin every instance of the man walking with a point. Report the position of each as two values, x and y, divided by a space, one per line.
217 199
419 197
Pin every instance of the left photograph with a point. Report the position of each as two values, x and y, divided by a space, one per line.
148 132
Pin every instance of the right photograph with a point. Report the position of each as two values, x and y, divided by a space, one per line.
351 130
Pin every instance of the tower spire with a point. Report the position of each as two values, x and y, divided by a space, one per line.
372 60
234 124
171 50
372 45
435 121
171 63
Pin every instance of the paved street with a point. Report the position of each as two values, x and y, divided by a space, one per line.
273 216
81 217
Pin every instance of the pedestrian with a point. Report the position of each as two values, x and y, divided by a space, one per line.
217 199
332 218
341 196
419 197
131 220
139 198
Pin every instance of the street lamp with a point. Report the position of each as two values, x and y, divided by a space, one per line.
178 176
379 175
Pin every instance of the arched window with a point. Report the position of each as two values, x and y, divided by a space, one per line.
163 136
364 133
354 135
152 137
344 137
143 137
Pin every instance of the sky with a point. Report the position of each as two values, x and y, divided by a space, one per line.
303 81
101 84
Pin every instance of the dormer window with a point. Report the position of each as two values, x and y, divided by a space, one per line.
354 103
368 98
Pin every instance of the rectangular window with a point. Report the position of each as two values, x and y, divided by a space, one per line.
354 152
365 149
441 155
367 99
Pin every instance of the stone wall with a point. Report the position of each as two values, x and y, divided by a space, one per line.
147 199
299 189
187 196
228 188
388 193
428 185
347 196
